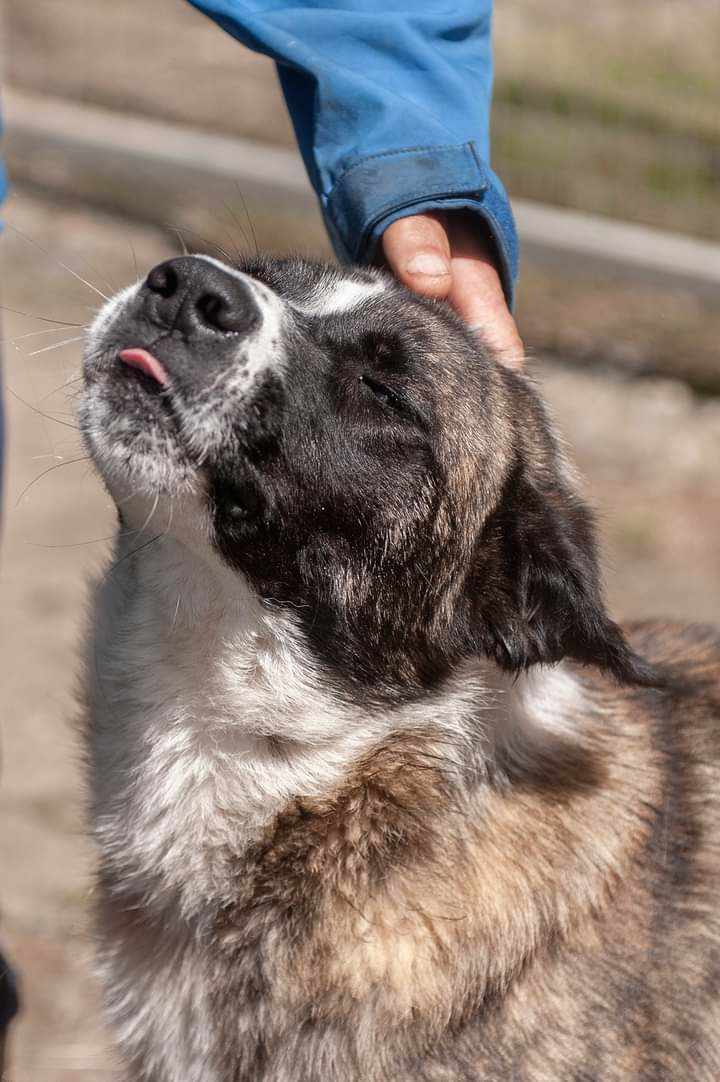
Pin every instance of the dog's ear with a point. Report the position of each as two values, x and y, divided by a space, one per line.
535 593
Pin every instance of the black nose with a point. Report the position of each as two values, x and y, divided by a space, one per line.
196 295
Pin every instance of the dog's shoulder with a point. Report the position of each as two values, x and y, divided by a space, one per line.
685 710
683 715
688 652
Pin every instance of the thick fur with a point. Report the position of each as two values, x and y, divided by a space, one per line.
380 791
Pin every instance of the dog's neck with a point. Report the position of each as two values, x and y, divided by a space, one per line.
212 718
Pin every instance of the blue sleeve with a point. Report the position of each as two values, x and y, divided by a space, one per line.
390 102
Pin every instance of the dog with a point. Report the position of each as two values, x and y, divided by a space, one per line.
380 791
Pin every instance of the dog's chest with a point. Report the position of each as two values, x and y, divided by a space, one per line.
206 719
171 751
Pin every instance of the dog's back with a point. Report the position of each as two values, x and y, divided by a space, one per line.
634 991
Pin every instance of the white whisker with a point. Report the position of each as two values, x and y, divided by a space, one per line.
181 238
43 319
150 516
177 610
56 345
50 454
59 262
32 334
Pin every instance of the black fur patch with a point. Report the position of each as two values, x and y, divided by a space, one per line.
381 493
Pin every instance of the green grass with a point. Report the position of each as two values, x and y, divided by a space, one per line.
612 108
649 64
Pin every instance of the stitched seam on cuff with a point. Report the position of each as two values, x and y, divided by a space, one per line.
470 178
434 147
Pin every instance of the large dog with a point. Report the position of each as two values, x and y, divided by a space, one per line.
380 790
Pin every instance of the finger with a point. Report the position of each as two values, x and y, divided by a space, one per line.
417 251
477 293
478 298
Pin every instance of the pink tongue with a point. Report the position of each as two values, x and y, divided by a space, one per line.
140 358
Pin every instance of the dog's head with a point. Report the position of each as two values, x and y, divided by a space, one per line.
358 458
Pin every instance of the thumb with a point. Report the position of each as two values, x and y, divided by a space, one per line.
417 251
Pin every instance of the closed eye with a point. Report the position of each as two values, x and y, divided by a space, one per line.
389 398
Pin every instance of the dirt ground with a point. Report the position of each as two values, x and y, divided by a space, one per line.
49 551
648 449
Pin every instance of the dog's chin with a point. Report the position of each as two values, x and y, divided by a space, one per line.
133 471
135 455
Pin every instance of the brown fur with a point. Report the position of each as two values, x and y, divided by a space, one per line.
497 929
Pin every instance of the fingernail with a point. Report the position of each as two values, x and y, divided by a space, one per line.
430 264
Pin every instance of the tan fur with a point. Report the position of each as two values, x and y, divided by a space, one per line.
481 892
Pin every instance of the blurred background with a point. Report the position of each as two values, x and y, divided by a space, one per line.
128 122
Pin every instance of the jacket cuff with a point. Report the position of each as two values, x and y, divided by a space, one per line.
374 192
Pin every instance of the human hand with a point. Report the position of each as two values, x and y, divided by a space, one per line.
442 254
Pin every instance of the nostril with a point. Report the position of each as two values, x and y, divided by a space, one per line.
163 279
230 315
212 310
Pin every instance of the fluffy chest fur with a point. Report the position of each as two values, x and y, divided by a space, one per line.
209 716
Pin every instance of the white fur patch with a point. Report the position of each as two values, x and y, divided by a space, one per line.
331 297
211 714
205 427
550 698
107 313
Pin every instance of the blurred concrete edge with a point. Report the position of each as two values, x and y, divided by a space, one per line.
147 169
